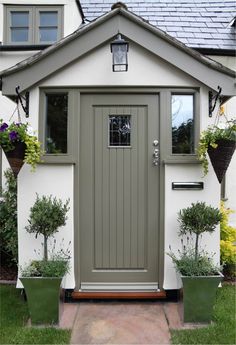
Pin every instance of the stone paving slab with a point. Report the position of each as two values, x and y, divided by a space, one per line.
120 323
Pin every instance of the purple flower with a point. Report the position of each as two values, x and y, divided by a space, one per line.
3 127
13 135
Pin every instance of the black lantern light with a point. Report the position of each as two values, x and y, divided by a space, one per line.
119 49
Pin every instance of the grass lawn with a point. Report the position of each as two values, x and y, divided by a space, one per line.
223 329
13 317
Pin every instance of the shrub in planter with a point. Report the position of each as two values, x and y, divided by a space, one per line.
199 275
42 278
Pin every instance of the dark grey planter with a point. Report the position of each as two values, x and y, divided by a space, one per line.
199 295
43 299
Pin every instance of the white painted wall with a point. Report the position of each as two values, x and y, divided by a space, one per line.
230 111
96 69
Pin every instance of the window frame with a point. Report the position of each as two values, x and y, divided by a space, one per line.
70 156
168 155
34 23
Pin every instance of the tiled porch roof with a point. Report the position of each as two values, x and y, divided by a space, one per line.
196 23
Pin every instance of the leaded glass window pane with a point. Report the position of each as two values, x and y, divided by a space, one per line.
182 109
56 123
119 130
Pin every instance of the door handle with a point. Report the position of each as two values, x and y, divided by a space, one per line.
155 160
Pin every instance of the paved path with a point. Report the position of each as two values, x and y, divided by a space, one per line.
124 323
136 322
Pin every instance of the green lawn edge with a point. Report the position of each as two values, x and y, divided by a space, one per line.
13 317
223 328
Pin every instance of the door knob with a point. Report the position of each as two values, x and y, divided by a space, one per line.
155 142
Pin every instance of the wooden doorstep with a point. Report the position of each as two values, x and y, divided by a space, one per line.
118 295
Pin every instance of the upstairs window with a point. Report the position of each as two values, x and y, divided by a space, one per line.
32 24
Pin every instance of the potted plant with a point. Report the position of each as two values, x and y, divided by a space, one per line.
219 141
20 145
42 278
200 276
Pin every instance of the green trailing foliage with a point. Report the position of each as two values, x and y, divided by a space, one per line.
8 218
227 243
13 133
209 137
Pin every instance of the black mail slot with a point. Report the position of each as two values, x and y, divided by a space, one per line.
187 185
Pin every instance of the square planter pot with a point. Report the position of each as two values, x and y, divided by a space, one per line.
199 295
43 299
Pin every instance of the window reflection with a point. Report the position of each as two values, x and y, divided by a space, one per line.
56 123
182 124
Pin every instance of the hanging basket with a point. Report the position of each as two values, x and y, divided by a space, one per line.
221 156
16 157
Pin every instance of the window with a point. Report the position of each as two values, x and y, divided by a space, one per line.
56 123
19 29
119 130
182 116
33 24
58 126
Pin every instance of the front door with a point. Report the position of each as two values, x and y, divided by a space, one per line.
119 192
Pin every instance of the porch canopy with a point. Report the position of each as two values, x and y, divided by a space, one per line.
33 70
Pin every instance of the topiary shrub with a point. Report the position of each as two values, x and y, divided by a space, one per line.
227 243
46 216
8 219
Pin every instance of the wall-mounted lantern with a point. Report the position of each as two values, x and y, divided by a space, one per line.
119 49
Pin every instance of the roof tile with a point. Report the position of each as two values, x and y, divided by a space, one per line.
197 23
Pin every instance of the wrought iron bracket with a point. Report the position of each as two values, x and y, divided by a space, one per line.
213 100
24 98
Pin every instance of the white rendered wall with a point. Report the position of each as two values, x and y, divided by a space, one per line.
230 111
96 70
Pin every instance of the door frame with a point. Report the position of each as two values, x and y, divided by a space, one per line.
162 128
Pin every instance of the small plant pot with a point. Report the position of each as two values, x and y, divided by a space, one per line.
221 156
199 295
16 157
43 299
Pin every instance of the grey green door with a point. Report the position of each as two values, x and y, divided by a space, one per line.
118 192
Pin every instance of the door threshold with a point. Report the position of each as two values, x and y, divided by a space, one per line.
79 295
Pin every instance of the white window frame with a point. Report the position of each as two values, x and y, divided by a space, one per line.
34 23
